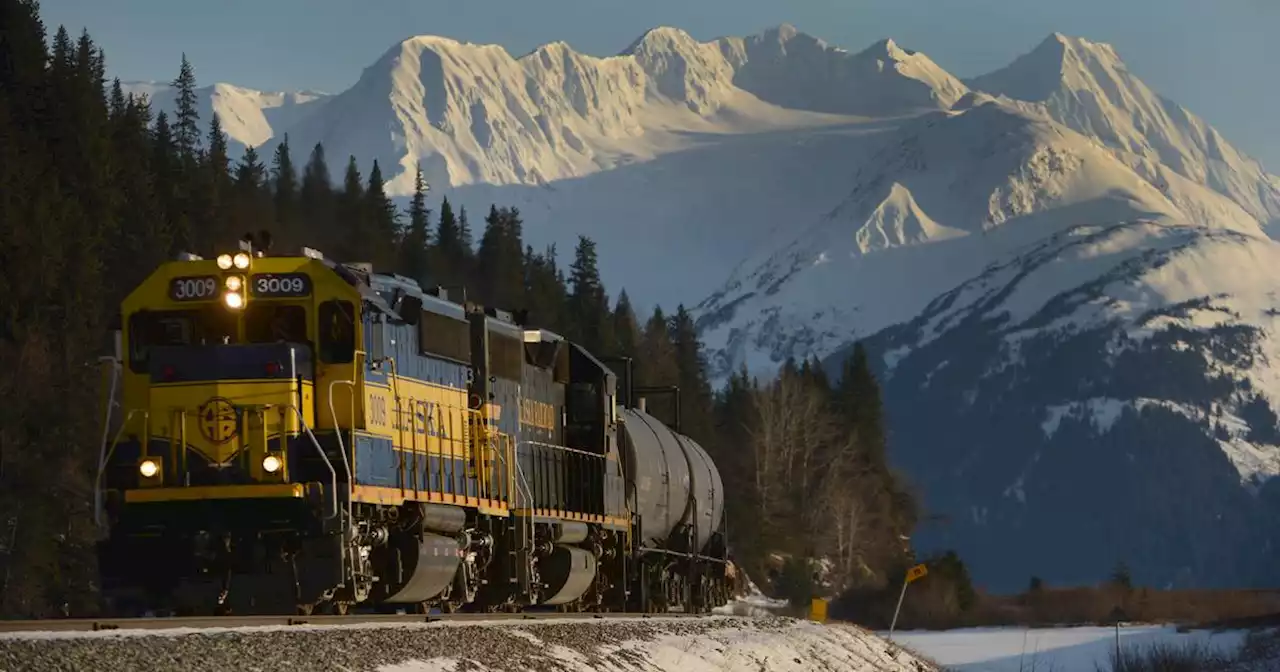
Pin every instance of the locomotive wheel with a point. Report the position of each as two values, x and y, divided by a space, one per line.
306 609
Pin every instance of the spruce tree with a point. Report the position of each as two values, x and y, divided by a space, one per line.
691 367
252 204
284 180
590 320
626 330
317 205
186 127
451 256
380 221
656 365
166 175
858 396
500 278
217 191
351 216
545 293
414 262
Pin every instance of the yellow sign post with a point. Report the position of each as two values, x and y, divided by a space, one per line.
818 610
914 574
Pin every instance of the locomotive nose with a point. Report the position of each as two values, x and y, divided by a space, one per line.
227 411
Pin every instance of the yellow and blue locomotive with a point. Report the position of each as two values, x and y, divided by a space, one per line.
291 434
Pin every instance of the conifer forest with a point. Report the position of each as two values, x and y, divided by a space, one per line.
97 189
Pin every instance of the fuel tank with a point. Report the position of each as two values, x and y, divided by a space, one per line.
672 478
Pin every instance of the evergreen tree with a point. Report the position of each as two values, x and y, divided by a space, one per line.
626 330
858 397
317 204
545 293
656 365
252 205
590 320
186 127
381 223
500 270
691 365
284 180
142 238
165 169
351 213
464 233
451 256
414 262
216 190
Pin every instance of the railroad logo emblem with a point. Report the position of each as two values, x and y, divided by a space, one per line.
218 420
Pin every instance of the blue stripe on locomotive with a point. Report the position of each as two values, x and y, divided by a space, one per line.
377 461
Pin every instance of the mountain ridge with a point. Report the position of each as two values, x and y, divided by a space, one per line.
1211 182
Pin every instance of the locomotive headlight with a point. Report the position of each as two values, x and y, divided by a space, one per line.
234 300
224 261
148 468
271 464
241 260
234 283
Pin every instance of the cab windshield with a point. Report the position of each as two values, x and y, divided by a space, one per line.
214 325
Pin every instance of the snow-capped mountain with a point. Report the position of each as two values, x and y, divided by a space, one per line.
474 114
1094 93
1104 394
249 117
1083 144
1070 281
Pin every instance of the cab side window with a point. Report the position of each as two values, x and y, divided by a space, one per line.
148 329
337 332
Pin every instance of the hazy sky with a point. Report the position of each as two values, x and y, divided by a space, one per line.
1220 58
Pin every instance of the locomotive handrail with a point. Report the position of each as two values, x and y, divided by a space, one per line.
564 448
106 455
586 455
333 473
528 492
337 431
116 366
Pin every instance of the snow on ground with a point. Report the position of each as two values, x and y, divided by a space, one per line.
563 645
752 603
1061 649
798 646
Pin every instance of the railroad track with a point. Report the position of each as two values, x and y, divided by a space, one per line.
205 622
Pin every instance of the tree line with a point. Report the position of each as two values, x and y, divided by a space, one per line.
97 189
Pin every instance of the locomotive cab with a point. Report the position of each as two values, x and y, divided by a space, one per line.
219 376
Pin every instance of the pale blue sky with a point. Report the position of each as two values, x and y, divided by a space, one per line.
1220 58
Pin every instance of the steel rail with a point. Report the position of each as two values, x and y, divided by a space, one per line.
207 622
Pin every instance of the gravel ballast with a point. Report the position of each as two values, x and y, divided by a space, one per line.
652 645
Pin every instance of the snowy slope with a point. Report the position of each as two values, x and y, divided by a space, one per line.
944 196
249 117
1085 86
794 70
1073 282
474 114
1105 394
